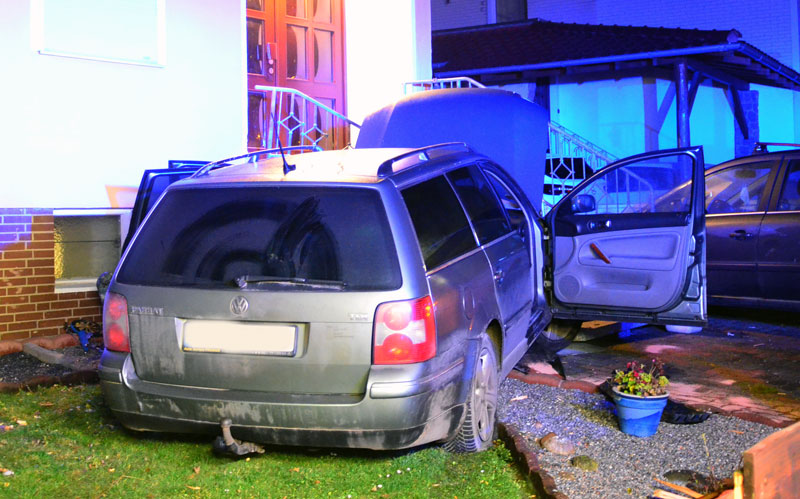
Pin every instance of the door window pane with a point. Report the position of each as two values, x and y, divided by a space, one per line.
651 185
255 4
296 52
510 203
790 196
323 56
441 226
322 11
255 120
738 189
296 8
255 46
480 202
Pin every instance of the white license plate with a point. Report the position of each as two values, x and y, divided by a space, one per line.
240 338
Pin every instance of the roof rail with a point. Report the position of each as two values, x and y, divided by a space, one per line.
422 154
761 147
251 157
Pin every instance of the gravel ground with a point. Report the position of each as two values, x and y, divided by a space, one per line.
627 464
19 366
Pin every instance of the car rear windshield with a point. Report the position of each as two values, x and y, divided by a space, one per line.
300 237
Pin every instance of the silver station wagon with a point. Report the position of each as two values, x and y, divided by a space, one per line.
375 297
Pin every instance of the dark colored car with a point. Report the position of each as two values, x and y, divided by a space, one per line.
753 224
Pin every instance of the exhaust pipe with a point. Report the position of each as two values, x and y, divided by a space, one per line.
226 444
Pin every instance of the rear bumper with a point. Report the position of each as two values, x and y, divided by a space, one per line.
391 415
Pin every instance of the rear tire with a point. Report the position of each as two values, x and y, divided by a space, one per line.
478 429
558 335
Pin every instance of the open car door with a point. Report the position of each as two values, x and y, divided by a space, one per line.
153 184
628 243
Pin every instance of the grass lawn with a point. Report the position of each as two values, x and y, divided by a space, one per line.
64 442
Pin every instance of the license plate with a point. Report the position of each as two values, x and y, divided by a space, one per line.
239 338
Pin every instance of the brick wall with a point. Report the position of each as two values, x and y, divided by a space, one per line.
744 147
29 305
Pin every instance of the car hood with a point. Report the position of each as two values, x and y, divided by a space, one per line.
501 125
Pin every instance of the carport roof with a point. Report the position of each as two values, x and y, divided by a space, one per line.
536 48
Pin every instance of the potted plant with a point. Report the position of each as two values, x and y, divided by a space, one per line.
640 395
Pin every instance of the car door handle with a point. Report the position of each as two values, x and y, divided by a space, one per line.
499 275
599 253
740 235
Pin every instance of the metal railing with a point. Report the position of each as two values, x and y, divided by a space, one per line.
296 119
570 157
570 160
411 87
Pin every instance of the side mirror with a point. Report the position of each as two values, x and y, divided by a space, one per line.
583 203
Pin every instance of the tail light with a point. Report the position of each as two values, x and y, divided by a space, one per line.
404 332
116 334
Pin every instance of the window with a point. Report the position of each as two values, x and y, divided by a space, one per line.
480 202
511 10
738 189
210 237
441 226
85 247
790 194
130 32
652 185
511 205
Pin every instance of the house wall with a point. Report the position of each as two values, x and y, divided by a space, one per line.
381 56
622 116
446 14
71 128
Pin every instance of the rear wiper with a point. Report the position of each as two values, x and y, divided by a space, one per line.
244 281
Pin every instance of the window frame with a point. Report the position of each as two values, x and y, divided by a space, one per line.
767 197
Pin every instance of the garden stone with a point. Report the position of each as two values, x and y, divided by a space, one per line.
557 445
584 463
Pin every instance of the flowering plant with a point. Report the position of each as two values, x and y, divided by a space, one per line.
635 380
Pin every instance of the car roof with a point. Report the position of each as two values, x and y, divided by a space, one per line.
368 165
759 156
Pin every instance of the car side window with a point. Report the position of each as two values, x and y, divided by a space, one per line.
737 189
650 185
439 221
511 205
790 194
480 202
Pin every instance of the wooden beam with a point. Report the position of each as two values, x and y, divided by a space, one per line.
738 113
718 75
663 108
735 59
694 85
772 466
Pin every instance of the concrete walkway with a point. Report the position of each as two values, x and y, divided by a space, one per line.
735 366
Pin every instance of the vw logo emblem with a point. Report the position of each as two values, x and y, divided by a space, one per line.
239 305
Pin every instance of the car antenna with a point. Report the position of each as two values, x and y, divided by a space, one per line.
286 166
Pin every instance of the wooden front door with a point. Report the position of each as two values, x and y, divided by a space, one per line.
297 44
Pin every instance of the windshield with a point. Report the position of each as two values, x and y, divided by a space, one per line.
260 237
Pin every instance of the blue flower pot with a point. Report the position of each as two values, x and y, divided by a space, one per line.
639 416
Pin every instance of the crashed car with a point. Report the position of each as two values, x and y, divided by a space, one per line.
375 297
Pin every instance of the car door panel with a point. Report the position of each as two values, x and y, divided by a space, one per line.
639 265
637 250
736 199
732 241
778 249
